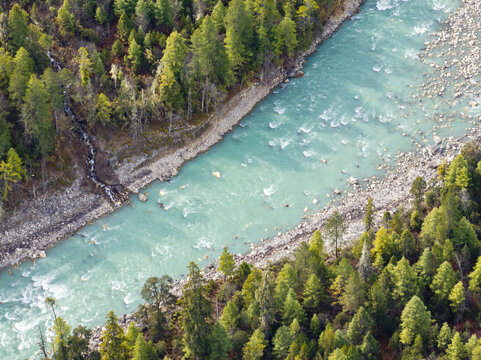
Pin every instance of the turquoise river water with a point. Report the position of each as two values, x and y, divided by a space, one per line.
352 108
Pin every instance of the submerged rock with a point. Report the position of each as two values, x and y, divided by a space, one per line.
142 197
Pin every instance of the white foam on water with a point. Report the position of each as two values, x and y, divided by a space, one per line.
411 54
383 5
279 110
274 124
129 299
305 129
269 191
377 68
388 71
203 243
309 153
422 28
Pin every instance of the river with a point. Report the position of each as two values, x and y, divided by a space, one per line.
351 112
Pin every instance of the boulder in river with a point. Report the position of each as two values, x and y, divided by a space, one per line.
216 174
142 197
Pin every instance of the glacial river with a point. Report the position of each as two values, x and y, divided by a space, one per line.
351 112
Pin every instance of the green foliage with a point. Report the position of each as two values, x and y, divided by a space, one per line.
164 14
112 340
143 350
405 282
415 320
230 317
445 337
65 19
286 37
103 109
456 174
219 343
226 263
285 281
457 297
117 48
218 15
17 27
124 26
281 342
475 277
456 349
292 309
312 293
417 190
370 347
254 348
443 281
369 217
360 325
196 311
85 65
335 229
22 70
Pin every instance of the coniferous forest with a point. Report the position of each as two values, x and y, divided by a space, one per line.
409 288
128 67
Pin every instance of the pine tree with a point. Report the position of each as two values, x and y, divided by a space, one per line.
142 350
101 15
131 336
443 281
370 347
417 190
164 14
65 19
219 343
335 229
226 263
464 234
285 280
15 161
61 330
426 268
218 15
281 342
17 27
53 87
251 284
36 119
143 13
85 65
456 349
135 55
476 353
475 277
445 337
239 34
364 266
254 348
369 218
230 317
169 80
103 109
196 312
111 345
117 49
405 282
264 296
22 69
124 6
286 37
292 309
469 347
360 324
124 26
457 298
415 320
353 295
337 355
315 326
312 293
407 245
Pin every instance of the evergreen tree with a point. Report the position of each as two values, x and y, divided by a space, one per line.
65 19
464 234
61 330
360 325
417 190
281 342
286 37
315 326
354 294
124 26
369 218
251 284
196 312
405 282
239 38
226 263
254 348
285 281
426 268
292 309
142 350
101 16
445 337
475 277
457 298
143 13
111 345
170 77
52 82
312 293
456 349
364 267
219 343
469 347
218 15
103 109
131 337
17 27
230 317
164 13
264 296
117 49
476 353
337 355
85 65
415 320
335 228
457 169
407 245
17 166
37 120
22 69
443 281
135 55
370 347
124 6
7 177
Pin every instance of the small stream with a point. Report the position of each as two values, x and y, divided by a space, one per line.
86 138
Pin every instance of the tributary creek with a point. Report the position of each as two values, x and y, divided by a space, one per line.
352 111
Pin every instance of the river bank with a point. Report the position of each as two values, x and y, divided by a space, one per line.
36 226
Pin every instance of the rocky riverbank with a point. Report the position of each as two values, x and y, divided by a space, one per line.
36 226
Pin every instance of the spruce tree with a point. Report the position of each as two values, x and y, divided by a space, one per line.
445 337
456 349
370 347
218 15
124 26
281 342
22 69
312 293
475 277
254 348
335 229
405 282
112 339
285 280
85 65
417 190
292 309
65 19
17 27
230 317
443 281
219 343
457 298
360 324
103 109
369 217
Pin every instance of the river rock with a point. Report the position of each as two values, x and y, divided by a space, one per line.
352 180
42 254
142 197
216 174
